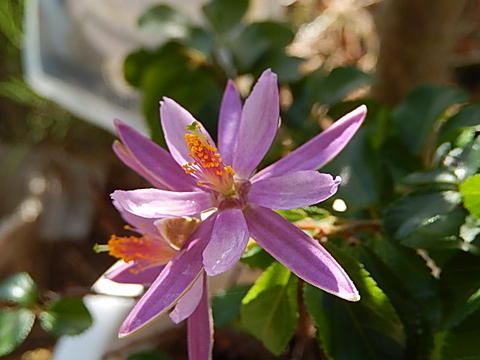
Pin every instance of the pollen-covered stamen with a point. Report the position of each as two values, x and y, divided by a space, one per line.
207 164
144 251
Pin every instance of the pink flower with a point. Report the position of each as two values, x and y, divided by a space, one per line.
197 176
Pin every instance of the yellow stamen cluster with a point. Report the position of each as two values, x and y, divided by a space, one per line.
207 164
142 250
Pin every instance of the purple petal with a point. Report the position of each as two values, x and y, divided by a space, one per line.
294 190
151 161
189 302
299 252
258 125
200 329
228 241
154 203
138 223
228 122
319 150
174 121
129 274
172 283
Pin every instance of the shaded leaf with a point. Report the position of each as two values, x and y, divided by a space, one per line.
461 342
468 116
416 115
148 355
224 15
368 329
256 257
67 316
164 19
269 311
15 325
19 289
226 304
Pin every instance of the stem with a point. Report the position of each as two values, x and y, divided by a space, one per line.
305 328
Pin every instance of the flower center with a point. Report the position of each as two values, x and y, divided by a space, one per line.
207 165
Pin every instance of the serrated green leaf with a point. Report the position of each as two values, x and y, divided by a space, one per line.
226 304
269 311
223 15
67 316
15 325
470 190
423 211
368 329
416 116
148 355
19 289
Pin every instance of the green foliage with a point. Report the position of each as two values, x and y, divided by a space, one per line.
416 116
19 289
164 19
67 316
470 190
15 325
223 15
269 311
368 329
226 304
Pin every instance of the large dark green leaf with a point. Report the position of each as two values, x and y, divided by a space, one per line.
416 116
148 355
368 329
269 311
469 116
223 15
426 218
226 304
15 325
407 281
461 343
67 316
19 289
464 162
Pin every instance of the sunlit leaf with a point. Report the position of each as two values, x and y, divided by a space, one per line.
19 289
67 316
15 325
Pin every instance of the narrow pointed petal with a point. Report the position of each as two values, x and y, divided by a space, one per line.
150 160
173 282
154 203
319 150
200 329
189 302
258 125
228 241
304 256
174 121
129 274
301 188
228 122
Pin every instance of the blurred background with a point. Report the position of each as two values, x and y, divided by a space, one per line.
69 67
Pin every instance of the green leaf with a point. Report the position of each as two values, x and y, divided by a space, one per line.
416 116
19 289
164 19
464 162
67 316
468 116
269 311
257 42
368 329
224 15
15 325
256 257
435 176
470 190
226 304
407 281
461 343
339 83
424 212
148 355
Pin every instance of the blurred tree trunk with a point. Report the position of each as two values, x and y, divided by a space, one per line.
416 42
